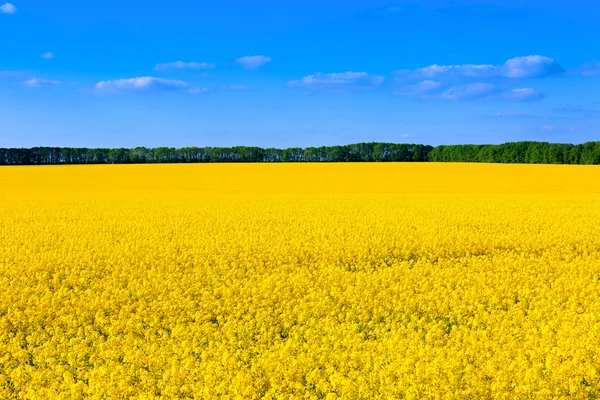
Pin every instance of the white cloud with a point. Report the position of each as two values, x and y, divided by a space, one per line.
419 88
146 84
471 91
427 85
441 71
184 65
35 82
141 83
343 81
250 62
547 128
515 68
47 55
530 67
523 94
8 8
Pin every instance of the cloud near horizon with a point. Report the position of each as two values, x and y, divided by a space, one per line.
338 82
8 8
184 65
251 62
146 84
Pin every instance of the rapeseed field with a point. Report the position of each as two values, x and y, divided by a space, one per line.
285 281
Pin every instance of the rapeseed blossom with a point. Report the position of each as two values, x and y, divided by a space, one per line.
300 281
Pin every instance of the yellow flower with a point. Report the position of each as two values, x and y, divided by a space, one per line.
377 280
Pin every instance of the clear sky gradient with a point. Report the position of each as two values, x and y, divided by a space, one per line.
277 74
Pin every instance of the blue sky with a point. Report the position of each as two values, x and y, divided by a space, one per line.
181 73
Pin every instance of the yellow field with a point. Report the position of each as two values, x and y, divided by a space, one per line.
300 281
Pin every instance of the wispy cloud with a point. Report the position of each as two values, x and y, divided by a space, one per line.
146 84
432 90
338 82
523 94
239 88
250 62
47 55
510 115
35 82
568 109
10 74
569 112
471 91
476 81
515 68
436 71
419 88
198 90
184 65
8 8
589 69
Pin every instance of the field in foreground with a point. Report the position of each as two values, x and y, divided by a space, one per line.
300 281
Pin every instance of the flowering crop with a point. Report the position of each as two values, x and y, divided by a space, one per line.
300 281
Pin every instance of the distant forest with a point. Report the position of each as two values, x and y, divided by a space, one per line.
517 152
349 153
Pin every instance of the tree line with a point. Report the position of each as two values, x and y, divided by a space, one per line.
350 153
516 152
519 152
